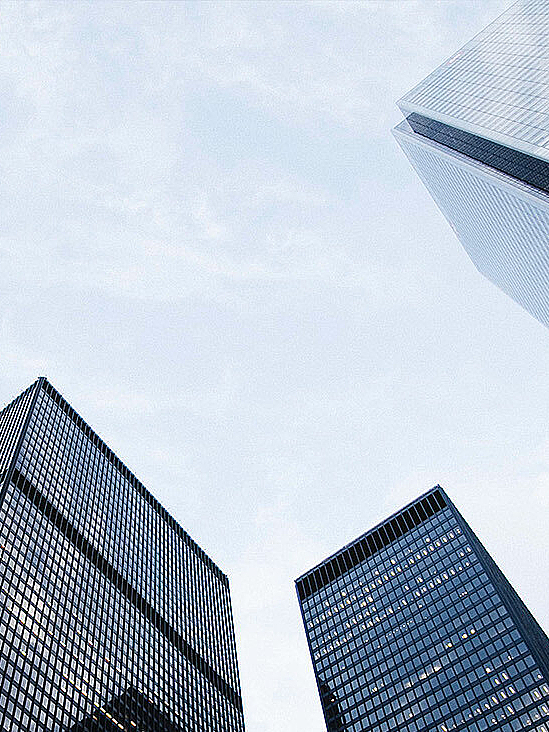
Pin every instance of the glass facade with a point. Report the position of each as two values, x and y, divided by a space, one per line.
526 168
497 85
501 222
412 627
477 133
112 617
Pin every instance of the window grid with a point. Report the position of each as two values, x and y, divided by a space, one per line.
112 618
421 636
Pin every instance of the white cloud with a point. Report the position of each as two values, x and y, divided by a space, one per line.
211 242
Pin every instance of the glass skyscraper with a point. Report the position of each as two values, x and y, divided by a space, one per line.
111 616
412 627
477 133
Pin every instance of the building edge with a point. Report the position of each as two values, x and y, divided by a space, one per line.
42 383
531 631
34 389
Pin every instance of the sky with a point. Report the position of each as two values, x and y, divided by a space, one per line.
214 249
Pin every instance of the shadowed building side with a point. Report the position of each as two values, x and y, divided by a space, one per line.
129 712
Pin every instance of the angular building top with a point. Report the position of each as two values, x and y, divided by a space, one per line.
497 85
114 618
413 628
477 133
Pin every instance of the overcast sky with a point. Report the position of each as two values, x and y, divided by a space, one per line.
213 247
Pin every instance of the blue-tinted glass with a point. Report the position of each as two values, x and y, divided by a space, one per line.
478 136
413 628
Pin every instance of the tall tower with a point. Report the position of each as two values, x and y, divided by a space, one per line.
412 627
111 617
476 131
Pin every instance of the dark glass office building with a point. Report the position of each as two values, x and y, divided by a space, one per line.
111 617
412 627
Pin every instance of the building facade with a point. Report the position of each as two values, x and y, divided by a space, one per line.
412 627
111 616
476 131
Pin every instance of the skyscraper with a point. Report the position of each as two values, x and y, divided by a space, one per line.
477 133
412 627
111 616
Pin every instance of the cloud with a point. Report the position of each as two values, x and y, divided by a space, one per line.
213 247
